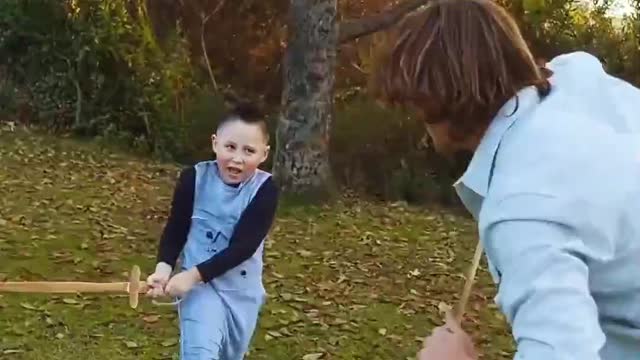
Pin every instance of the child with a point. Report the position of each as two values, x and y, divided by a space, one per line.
221 213
553 180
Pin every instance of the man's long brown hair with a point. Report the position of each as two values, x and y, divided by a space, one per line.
458 61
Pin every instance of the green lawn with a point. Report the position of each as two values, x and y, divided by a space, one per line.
352 281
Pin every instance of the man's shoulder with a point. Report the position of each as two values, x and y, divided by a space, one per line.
561 151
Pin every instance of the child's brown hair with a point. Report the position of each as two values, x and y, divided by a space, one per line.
249 113
459 61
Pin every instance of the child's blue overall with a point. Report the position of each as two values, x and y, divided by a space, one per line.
218 318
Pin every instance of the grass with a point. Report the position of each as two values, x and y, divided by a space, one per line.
352 281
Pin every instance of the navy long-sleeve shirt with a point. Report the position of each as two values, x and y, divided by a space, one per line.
253 225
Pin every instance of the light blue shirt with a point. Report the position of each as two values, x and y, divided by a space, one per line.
555 187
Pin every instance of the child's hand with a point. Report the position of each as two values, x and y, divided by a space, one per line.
182 283
158 280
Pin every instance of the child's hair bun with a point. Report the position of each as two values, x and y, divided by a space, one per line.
246 111
242 108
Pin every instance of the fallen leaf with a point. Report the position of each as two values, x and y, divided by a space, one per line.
443 307
305 253
170 342
314 356
12 351
28 306
151 318
382 331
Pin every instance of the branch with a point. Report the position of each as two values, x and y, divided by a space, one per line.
353 29
203 44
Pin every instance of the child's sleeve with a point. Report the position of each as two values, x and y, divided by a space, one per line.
253 226
176 229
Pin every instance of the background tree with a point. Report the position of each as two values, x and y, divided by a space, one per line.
150 75
302 164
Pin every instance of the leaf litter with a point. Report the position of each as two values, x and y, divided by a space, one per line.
347 281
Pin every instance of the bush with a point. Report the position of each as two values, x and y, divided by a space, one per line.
381 152
94 67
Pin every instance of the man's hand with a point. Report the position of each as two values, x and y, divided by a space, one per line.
182 283
158 280
448 342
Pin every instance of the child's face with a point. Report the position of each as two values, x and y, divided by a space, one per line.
240 148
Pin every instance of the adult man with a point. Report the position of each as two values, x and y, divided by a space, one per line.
554 180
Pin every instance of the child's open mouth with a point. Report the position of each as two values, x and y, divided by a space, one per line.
234 171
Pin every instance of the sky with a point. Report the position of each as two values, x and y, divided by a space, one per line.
621 7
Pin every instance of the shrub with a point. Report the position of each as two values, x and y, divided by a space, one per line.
381 152
94 67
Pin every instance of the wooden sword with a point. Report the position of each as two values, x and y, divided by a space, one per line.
133 287
470 278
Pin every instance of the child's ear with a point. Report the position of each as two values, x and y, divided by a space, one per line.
214 142
266 153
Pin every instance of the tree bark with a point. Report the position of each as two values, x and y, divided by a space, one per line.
353 29
301 164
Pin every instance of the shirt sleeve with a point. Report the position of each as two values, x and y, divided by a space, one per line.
251 229
542 265
178 223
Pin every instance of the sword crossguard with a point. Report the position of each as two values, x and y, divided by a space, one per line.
134 286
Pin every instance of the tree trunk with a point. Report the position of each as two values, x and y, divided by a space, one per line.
301 164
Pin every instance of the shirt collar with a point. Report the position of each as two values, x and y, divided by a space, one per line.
478 173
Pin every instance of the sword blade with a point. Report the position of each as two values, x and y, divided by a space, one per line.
65 287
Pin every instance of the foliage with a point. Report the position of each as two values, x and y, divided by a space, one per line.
383 152
135 75
559 26
94 67
251 61
355 280
378 150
